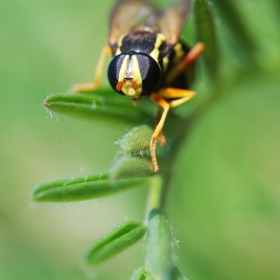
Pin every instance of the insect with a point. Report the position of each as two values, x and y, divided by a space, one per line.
148 58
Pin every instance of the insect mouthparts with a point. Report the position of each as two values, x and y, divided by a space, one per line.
133 84
119 86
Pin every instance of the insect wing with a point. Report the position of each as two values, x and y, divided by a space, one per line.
172 20
128 14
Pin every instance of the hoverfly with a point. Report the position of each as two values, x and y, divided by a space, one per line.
148 58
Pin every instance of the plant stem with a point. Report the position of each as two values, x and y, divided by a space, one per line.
156 195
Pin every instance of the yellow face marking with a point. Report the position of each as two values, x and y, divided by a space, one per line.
136 71
123 68
130 71
155 52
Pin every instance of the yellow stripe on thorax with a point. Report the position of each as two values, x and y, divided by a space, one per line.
155 52
118 51
178 53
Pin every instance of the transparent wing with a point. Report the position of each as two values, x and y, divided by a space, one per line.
128 14
172 20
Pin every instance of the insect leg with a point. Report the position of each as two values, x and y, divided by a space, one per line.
157 132
98 74
193 55
181 95
186 62
161 137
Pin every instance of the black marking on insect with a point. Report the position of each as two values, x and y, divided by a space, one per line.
148 58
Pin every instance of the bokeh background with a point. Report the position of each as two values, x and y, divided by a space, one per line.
224 201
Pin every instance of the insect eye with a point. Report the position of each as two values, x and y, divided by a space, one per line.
114 69
149 76
150 73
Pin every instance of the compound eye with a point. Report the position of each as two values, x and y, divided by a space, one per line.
114 70
150 73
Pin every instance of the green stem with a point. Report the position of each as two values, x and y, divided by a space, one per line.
156 195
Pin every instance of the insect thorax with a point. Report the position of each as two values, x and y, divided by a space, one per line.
142 40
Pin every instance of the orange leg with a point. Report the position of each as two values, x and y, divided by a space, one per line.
161 137
183 96
165 106
98 74
193 54
186 62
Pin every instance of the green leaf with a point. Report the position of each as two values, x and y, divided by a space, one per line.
205 32
136 140
104 107
115 242
141 273
159 243
84 188
132 167
135 149
237 28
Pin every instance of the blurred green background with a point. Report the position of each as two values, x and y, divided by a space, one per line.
224 201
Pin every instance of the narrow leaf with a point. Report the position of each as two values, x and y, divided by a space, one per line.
159 242
237 26
136 140
101 107
115 242
83 188
205 32
135 152
132 167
